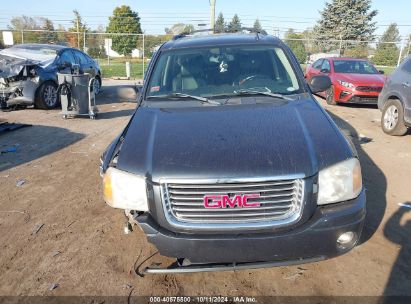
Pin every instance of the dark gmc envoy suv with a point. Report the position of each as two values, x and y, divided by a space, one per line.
229 161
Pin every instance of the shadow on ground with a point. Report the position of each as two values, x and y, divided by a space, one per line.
115 114
374 180
117 93
398 231
26 141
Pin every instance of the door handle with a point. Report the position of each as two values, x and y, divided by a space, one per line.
406 84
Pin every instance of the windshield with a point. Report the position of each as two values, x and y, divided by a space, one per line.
37 53
354 67
221 71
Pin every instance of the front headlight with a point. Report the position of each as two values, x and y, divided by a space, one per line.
346 84
340 182
124 190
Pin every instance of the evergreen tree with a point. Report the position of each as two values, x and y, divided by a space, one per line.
345 20
124 20
387 53
297 46
76 39
235 24
257 25
220 26
49 35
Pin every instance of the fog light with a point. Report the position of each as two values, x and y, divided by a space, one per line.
347 240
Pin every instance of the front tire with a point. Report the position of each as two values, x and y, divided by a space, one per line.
392 118
46 97
329 96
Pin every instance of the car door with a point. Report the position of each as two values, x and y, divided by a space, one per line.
85 63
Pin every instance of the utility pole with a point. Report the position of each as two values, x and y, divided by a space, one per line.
212 14
78 34
401 51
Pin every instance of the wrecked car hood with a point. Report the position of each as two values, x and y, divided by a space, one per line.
249 140
11 64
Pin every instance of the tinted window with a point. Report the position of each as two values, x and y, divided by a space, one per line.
82 58
317 64
326 65
67 56
216 71
407 66
354 67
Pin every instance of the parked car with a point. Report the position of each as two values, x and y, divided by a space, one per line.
229 159
395 100
28 73
353 80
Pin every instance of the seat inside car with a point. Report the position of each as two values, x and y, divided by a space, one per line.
189 76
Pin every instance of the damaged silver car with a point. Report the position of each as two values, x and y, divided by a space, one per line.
28 73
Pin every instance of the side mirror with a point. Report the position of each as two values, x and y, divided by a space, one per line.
325 71
319 83
381 72
64 65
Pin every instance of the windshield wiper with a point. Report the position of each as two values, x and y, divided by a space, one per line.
256 92
182 95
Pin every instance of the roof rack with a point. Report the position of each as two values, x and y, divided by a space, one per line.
250 29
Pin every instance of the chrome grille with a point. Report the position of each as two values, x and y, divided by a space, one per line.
281 203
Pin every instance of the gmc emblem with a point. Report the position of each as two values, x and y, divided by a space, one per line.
224 201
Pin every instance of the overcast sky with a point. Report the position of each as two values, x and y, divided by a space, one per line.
158 14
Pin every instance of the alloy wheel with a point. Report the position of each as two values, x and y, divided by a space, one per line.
50 95
391 117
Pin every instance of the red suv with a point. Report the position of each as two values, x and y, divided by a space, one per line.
353 80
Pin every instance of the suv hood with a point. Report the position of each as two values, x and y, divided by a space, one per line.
233 141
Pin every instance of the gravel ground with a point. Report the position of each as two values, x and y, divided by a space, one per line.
56 229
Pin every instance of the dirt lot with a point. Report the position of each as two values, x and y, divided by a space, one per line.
81 245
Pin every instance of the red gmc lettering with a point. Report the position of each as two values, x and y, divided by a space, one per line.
224 201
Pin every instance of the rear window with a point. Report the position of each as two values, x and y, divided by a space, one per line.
215 71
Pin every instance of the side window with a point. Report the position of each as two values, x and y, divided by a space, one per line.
326 65
67 56
407 66
82 59
317 64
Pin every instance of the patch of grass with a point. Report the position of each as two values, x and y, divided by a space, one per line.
116 69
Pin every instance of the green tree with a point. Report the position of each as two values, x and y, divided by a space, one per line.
358 51
235 24
257 25
220 26
387 52
179 28
345 20
297 46
153 42
49 35
79 27
95 43
124 20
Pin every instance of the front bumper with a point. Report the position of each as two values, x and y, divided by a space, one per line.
21 92
317 238
354 96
